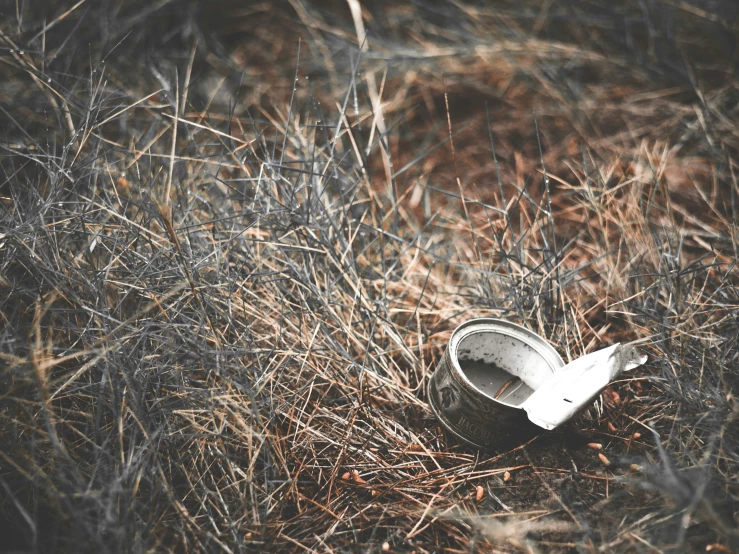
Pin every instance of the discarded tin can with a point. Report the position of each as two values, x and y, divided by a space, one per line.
499 383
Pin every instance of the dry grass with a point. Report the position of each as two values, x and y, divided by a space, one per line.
223 290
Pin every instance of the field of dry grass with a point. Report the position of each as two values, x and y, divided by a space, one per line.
236 236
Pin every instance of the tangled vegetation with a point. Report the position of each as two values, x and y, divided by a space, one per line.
235 237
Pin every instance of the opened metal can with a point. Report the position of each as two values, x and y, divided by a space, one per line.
489 369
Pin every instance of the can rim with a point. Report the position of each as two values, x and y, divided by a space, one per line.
547 352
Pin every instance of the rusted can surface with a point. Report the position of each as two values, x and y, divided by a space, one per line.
489 368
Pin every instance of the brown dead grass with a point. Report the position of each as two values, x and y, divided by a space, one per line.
218 333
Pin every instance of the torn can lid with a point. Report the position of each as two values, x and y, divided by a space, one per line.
575 385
